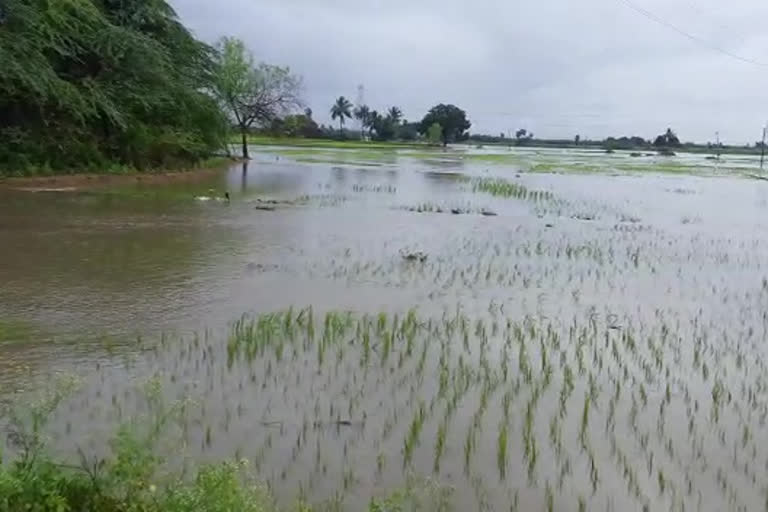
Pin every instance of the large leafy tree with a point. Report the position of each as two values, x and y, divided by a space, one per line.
451 118
384 127
253 94
87 83
340 110
667 139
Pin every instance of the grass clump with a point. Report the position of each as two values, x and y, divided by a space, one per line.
508 189
12 331
259 140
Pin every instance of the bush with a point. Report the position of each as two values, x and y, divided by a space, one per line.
88 83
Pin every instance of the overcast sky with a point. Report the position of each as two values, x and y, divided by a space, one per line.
555 67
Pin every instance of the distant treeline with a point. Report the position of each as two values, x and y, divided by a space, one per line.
665 142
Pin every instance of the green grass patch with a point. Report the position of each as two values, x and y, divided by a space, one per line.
14 331
326 143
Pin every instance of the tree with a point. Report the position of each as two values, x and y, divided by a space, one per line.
452 120
374 118
298 125
340 110
667 139
577 139
395 114
671 137
408 131
253 94
435 133
363 114
90 83
523 136
384 126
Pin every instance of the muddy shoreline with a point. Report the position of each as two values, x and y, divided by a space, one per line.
82 181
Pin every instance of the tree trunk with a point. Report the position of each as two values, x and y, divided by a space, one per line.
244 135
341 127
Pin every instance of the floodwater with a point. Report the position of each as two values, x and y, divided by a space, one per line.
601 344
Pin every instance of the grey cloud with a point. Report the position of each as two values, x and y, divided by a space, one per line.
556 67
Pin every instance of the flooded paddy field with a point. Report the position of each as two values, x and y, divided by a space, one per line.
523 330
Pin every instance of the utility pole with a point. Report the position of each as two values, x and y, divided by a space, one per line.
360 101
762 150
717 145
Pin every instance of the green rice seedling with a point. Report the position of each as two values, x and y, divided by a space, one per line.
443 382
501 452
468 444
366 348
532 460
422 360
584 420
549 497
439 446
381 323
386 347
412 437
506 401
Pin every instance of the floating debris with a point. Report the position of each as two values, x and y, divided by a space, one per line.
414 256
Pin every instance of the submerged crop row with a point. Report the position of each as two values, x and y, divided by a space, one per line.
601 410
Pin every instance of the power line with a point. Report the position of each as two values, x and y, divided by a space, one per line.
651 16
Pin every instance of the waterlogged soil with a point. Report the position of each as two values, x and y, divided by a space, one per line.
598 342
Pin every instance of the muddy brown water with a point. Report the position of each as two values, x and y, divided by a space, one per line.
645 279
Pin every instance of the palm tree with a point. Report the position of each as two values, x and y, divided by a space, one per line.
363 114
340 110
395 114
374 119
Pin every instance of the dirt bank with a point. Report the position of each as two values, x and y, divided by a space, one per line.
74 182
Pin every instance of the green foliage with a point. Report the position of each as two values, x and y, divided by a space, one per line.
252 94
363 114
435 133
395 115
14 331
451 118
667 139
340 110
418 495
87 82
523 137
295 125
384 126
46 486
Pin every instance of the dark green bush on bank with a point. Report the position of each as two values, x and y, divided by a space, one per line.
91 83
